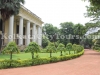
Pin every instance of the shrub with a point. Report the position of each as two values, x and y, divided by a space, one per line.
74 48
10 48
61 47
69 47
51 48
32 47
79 48
45 41
38 61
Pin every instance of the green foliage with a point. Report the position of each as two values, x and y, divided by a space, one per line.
69 46
45 41
74 48
32 47
56 43
79 48
93 10
10 7
96 45
38 61
51 48
79 30
61 47
11 47
66 29
50 30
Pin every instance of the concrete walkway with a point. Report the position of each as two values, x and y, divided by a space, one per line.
88 64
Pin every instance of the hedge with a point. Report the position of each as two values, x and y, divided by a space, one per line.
38 61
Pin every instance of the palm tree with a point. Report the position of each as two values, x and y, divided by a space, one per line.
7 9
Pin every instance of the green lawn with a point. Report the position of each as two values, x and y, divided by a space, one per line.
23 55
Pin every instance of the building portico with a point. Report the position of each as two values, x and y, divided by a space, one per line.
23 28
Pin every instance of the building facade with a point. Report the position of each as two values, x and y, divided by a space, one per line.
23 28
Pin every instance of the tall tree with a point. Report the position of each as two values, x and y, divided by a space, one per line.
93 10
51 32
66 30
79 30
7 9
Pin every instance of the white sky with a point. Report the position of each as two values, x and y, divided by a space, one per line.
58 11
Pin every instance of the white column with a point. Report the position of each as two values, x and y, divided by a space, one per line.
21 31
34 33
11 26
28 33
39 36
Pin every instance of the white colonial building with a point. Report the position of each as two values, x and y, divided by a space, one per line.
23 28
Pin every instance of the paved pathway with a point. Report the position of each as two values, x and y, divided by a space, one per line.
88 64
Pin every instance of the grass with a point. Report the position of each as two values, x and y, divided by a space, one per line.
23 55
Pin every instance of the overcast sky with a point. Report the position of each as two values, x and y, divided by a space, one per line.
58 11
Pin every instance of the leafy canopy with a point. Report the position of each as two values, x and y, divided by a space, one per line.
11 48
10 7
61 47
69 46
93 10
51 47
32 47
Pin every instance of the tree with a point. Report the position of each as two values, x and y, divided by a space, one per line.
7 9
51 48
45 41
10 49
33 48
50 31
69 47
93 10
74 48
79 31
66 30
61 48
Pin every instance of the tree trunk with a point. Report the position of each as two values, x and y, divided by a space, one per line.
74 51
50 54
32 58
10 58
69 52
61 53
32 55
